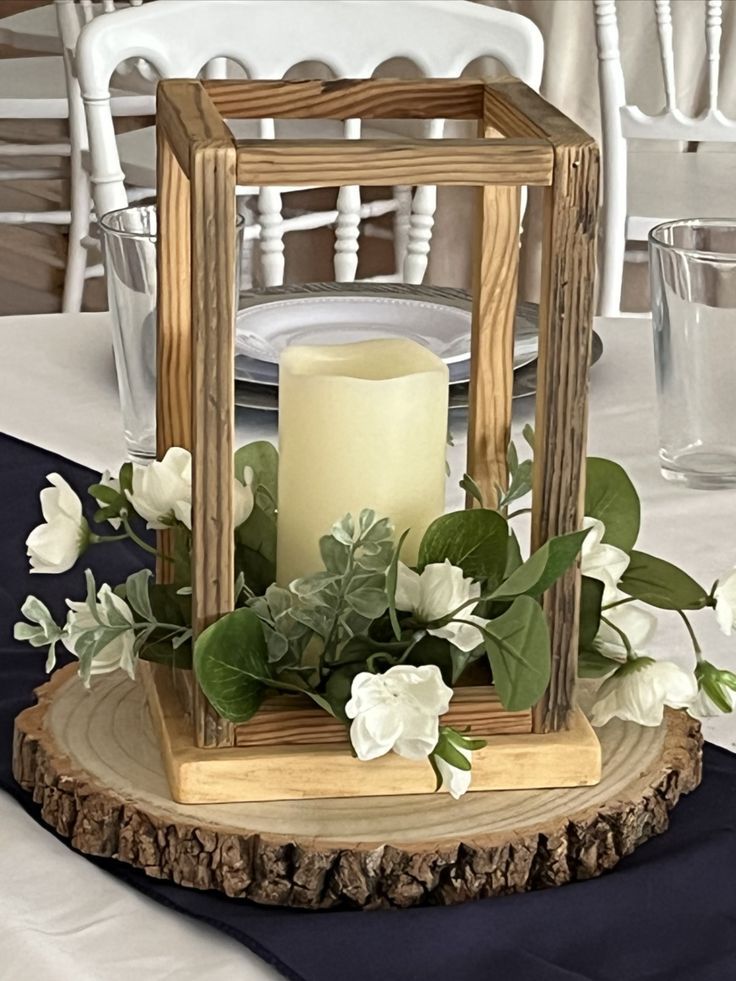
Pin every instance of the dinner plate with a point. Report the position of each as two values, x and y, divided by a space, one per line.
397 311
266 398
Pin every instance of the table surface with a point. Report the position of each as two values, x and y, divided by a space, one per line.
58 391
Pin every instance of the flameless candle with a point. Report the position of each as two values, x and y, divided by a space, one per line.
360 426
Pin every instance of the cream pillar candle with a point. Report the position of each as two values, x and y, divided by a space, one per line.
361 425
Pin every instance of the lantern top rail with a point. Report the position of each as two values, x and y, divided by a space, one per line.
523 130
329 163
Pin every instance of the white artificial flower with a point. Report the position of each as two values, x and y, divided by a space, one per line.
111 610
398 710
716 691
640 689
57 544
441 589
705 708
162 490
108 480
243 497
606 563
454 780
636 622
725 597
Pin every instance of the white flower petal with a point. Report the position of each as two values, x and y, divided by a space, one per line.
373 733
162 491
55 547
419 734
242 502
455 781
639 693
408 592
397 710
601 561
637 623
725 597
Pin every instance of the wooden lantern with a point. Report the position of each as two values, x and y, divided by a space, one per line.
297 751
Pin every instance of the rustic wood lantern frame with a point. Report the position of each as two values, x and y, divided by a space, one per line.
522 140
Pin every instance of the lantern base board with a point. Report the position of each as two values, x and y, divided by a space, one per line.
304 772
92 762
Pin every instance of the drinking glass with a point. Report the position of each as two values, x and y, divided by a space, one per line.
129 245
693 283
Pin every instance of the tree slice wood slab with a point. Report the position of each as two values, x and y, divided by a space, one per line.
91 761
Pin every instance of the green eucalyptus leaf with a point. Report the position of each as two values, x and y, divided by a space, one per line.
104 493
476 540
335 554
661 584
369 602
230 660
447 751
518 648
264 460
593 664
611 497
472 489
591 598
136 593
543 568
512 458
125 479
343 531
513 554
528 434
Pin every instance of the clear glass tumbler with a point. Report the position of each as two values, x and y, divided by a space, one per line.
693 284
129 245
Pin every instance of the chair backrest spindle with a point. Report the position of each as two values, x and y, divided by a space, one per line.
713 31
663 14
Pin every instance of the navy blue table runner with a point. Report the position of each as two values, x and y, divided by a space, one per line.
667 913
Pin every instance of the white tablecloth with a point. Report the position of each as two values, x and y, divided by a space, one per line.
65 919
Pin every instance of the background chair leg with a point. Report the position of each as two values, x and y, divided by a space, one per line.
76 263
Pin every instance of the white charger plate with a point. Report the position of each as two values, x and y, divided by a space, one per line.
264 331
306 319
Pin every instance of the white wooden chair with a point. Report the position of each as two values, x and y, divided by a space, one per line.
642 188
36 89
352 37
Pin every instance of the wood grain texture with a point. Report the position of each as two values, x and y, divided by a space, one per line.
174 319
186 112
317 770
565 332
381 162
517 111
196 292
91 761
345 98
495 281
294 720
213 401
